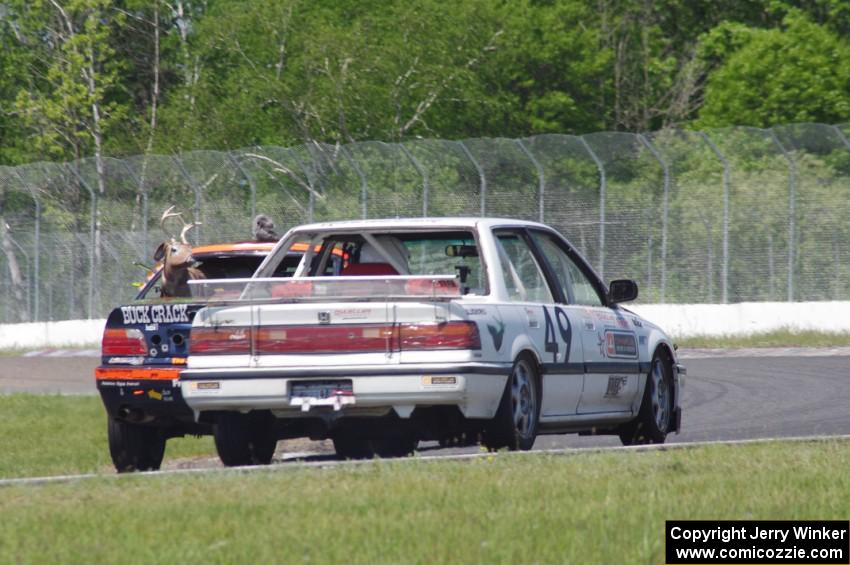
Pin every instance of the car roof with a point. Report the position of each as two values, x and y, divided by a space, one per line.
415 224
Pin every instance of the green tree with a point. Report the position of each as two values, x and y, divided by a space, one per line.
75 100
287 71
73 104
764 77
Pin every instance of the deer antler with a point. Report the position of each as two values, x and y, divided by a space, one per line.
169 214
186 228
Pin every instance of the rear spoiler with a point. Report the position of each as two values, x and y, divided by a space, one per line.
326 289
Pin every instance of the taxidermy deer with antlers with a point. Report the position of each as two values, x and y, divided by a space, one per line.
176 257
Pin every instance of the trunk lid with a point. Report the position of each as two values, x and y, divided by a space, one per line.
334 321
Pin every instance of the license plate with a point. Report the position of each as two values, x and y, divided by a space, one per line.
335 394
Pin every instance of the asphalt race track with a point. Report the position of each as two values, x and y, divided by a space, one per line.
731 398
762 394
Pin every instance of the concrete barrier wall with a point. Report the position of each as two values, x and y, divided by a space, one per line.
67 333
746 318
679 320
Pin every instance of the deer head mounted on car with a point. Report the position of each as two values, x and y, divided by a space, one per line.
176 258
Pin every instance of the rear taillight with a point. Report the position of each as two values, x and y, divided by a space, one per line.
123 341
355 338
220 340
447 335
363 338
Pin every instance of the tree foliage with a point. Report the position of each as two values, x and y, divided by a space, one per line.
136 76
797 73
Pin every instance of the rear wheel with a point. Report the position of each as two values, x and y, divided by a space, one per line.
245 439
656 410
515 424
348 447
394 447
135 447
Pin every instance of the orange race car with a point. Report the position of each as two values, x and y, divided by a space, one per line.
144 349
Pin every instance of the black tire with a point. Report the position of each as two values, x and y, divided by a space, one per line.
245 439
348 447
395 447
655 417
135 447
516 421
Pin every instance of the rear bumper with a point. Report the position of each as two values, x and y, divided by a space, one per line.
130 394
475 388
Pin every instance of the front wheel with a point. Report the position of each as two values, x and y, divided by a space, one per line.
135 447
245 439
656 410
515 424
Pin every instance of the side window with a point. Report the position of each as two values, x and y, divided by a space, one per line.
577 287
523 278
287 267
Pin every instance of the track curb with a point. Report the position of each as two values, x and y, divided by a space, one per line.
296 464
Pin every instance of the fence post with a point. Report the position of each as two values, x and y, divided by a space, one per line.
92 238
664 211
37 261
423 173
846 143
726 172
251 184
364 186
792 212
482 178
602 186
541 179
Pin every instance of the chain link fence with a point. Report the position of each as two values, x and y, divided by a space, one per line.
716 216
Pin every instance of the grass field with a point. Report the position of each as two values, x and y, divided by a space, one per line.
584 508
780 338
51 435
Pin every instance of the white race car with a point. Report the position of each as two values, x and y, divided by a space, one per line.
458 330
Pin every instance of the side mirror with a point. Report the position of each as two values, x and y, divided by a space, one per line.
622 290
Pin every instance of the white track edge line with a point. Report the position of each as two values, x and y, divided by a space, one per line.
273 468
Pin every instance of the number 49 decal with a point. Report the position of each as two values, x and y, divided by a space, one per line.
563 328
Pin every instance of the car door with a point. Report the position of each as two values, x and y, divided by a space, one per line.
609 343
533 308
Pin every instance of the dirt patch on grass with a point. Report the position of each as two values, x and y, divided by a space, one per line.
284 448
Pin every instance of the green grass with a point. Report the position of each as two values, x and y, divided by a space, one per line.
779 338
53 435
585 508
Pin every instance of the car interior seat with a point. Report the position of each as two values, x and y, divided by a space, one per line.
379 262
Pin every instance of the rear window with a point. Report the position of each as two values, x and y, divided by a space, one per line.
227 267
452 253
